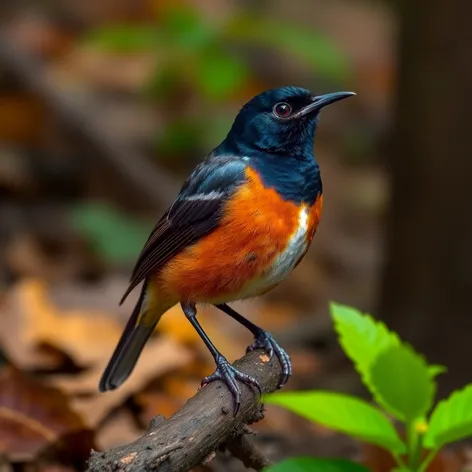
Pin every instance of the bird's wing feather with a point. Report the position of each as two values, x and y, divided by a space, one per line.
196 211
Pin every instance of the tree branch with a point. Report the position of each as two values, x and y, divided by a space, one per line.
194 433
245 450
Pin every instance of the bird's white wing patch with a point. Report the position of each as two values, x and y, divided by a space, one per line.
213 195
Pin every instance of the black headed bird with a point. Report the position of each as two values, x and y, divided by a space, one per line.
242 221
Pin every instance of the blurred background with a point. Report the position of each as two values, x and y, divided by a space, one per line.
106 105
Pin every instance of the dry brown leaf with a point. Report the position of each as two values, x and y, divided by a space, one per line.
220 328
196 369
29 321
174 324
34 417
160 356
181 386
15 317
156 403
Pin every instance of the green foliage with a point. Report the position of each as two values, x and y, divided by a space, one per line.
206 59
451 420
124 39
401 382
116 237
179 136
219 74
310 47
183 29
344 413
435 370
309 464
362 338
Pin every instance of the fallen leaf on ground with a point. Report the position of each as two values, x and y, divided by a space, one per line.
155 403
217 325
160 356
34 417
29 322
176 326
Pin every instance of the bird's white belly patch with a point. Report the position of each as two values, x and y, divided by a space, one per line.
285 262
295 249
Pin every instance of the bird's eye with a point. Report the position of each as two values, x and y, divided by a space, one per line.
282 110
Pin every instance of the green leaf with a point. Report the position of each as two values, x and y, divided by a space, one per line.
312 47
309 464
186 28
362 338
116 237
179 137
125 38
402 382
436 369
344 413
451 420
219 75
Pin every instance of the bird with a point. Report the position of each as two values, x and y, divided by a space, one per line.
241 223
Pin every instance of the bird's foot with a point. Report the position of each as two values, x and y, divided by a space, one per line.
264 340
230 375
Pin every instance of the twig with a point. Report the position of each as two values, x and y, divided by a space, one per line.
245 450
204 424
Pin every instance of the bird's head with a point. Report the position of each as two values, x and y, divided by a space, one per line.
279 121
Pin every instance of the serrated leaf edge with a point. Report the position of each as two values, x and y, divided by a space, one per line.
462 394
395 341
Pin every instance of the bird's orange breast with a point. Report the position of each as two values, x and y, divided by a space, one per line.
256 227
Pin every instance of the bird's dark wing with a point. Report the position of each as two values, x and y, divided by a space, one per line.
196 211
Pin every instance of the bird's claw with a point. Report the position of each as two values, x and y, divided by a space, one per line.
265 341
230 375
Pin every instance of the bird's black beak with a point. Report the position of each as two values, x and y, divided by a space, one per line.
320 101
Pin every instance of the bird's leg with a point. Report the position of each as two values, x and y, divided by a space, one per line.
262 340
224 370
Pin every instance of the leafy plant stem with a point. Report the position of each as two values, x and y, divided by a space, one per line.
414 445
399 460
424 465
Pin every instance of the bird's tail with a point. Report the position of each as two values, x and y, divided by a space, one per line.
135 335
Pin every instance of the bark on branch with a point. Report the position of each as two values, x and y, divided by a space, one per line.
206 422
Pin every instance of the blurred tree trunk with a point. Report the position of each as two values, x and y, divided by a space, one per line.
427 283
